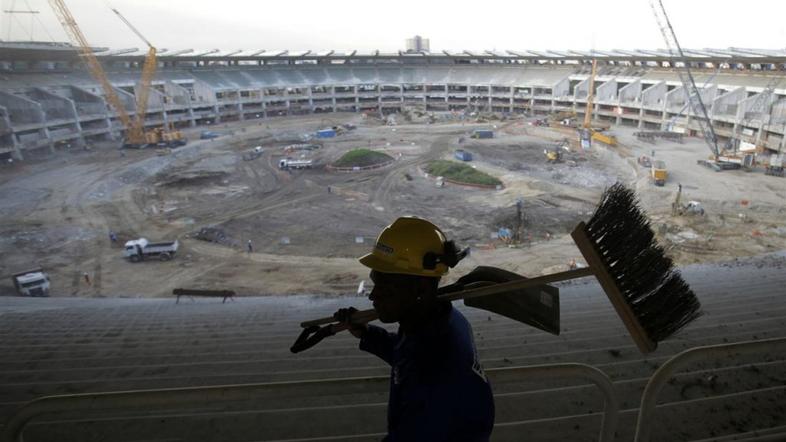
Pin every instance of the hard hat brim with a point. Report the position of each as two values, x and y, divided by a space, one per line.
376 263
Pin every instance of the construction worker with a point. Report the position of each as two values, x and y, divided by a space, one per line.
438 391
249 247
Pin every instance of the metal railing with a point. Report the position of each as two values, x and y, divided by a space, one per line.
664 373
195 397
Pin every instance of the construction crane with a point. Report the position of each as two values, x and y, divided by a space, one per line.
587 133
590 96
136 136
93 66
136 133
692 93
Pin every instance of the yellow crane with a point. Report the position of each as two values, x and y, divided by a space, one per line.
590 96
136 133
135 128
587 133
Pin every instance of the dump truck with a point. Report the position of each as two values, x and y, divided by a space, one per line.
658 172
34 282
289 163
141 249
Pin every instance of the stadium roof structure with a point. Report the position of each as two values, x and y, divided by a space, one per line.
67 52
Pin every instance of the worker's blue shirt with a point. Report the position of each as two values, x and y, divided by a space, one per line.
438 391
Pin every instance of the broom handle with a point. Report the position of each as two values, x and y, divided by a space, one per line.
364 316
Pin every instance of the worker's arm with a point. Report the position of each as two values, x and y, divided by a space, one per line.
379 342
375 340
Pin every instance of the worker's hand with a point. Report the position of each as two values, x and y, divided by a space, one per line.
344 315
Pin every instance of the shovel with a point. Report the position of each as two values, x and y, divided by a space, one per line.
537 306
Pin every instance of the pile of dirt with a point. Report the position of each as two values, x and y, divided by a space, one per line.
216 235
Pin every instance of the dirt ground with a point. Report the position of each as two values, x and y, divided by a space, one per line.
307 227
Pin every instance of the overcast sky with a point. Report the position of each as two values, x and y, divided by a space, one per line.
384 25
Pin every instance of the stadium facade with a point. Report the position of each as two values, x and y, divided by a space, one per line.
47 98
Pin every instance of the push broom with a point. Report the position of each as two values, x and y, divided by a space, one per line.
648 294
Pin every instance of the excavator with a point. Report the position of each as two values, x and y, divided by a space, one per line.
136 134
691 208
554 153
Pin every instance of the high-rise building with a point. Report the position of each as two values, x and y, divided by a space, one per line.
417 44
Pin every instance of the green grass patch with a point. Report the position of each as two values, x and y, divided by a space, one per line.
362 158
460 172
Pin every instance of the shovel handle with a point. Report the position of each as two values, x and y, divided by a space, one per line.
359 317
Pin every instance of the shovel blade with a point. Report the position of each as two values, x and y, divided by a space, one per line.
538 306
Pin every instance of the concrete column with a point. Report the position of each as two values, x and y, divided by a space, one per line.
641 116
81 138
6 124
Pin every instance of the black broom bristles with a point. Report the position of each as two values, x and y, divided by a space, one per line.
660 299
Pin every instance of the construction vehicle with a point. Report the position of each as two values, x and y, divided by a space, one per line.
34 282
645 161
136 135
554 153
658 172
775 166
679 209
289 163
208 135
482 134
462 155
141 249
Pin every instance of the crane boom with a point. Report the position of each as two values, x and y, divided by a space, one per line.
93 66
590 95
136 133
686 77
128 23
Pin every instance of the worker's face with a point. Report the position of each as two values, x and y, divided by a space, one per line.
393 295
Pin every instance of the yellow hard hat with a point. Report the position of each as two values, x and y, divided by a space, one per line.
411 246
